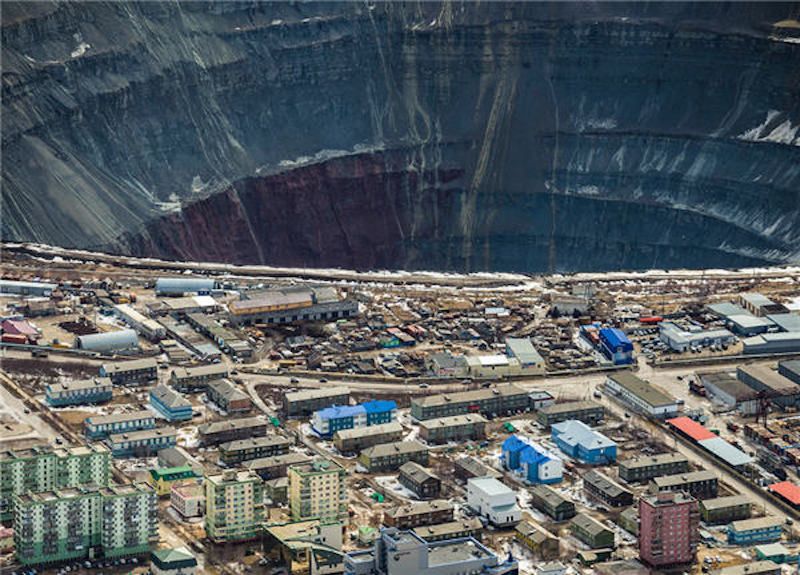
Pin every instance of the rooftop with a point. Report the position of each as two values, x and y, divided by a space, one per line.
588 524
725 502
766 522
650 460
229 424
570 406
385 449
119 417
143 434
604 483
307 394
453 421
419 508
490 486
380 429
648 393
681 478
456 550
469 396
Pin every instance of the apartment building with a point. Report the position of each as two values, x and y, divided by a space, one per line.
725 509
134 373
187 498
84 522
589 530
471 426
699 484
757 530
277 465
328 421
171 404
641 395
48 469
451 530
420 481
537 539
235 452
354 440
79 392
144 443
234 506
231 430
101 426
225 395
646 467
195 379
588 412
549 501
304 403
390 456
466 468
600 487
494 501
317 490
495 401
668 529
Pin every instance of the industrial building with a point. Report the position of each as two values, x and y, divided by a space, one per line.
641 395
451 530
171 404
699 484
681 340
318 490
599 486
227 340
492 366
668 529
79 392
530 460
419 514
755 303
276 466
231 429
580 441
790 370
471 426
551 502
193 379
109 342
590 531
757 530
725 509
780 390
79 523
521 348
355 440
135 372
419 480
752 568
616 346
101 426
148 328
181 286
40 289
46 468
643 468
725 389
390 456
412 554
144 443
788 492
536 538
328 421
588 412
240 450
305 547
180 306
496 401
234 506
445 364
494 501
710 441
772 343
304 403
289 305
227 397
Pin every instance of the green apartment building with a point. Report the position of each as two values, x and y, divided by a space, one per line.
80 523
234 506
48 469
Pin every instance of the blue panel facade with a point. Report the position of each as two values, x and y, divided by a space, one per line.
755 536
183 413
616 346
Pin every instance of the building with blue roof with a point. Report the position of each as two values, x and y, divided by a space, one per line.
616 346
580 441
328 421
535 463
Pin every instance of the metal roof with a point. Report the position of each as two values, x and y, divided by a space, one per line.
691 428
787 490
490 486
110 341
650 460
385 449
308 394
574 432
522 348
570 406
725 451
470 396
725 502
647 392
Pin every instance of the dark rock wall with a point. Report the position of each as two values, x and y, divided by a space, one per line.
454 136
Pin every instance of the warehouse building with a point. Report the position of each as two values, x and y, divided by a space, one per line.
725 509
471 426
419 514
390 456
549 501
306 402
591 532
227 397
616 346
790 370
171 404
445 364
180 306
536 538
419 480
451 530
782 391
752 568
228 341
193 379
276 466
641 395
112 341
747 325
601 487
588 412
681 340
521 349
494 501
772 343
39 289
289 305
580 441
328 421
236 452
144 443
496 401
148 328
643 468
711 442
755 303
231 429
699 484
724 388
134 372
101 426
181 286
355 440
79 392
788 492
753 531
80 523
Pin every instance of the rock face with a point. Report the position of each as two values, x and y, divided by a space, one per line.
452 136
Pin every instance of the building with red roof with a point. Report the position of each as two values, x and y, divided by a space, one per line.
787 491
690 428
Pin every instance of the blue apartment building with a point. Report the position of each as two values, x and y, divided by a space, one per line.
580 441
328 421
171 404
101 426
754 531
79 392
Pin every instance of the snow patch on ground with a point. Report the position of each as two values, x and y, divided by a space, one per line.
783 133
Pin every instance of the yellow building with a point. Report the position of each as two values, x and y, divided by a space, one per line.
234 506
163 479
317 490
